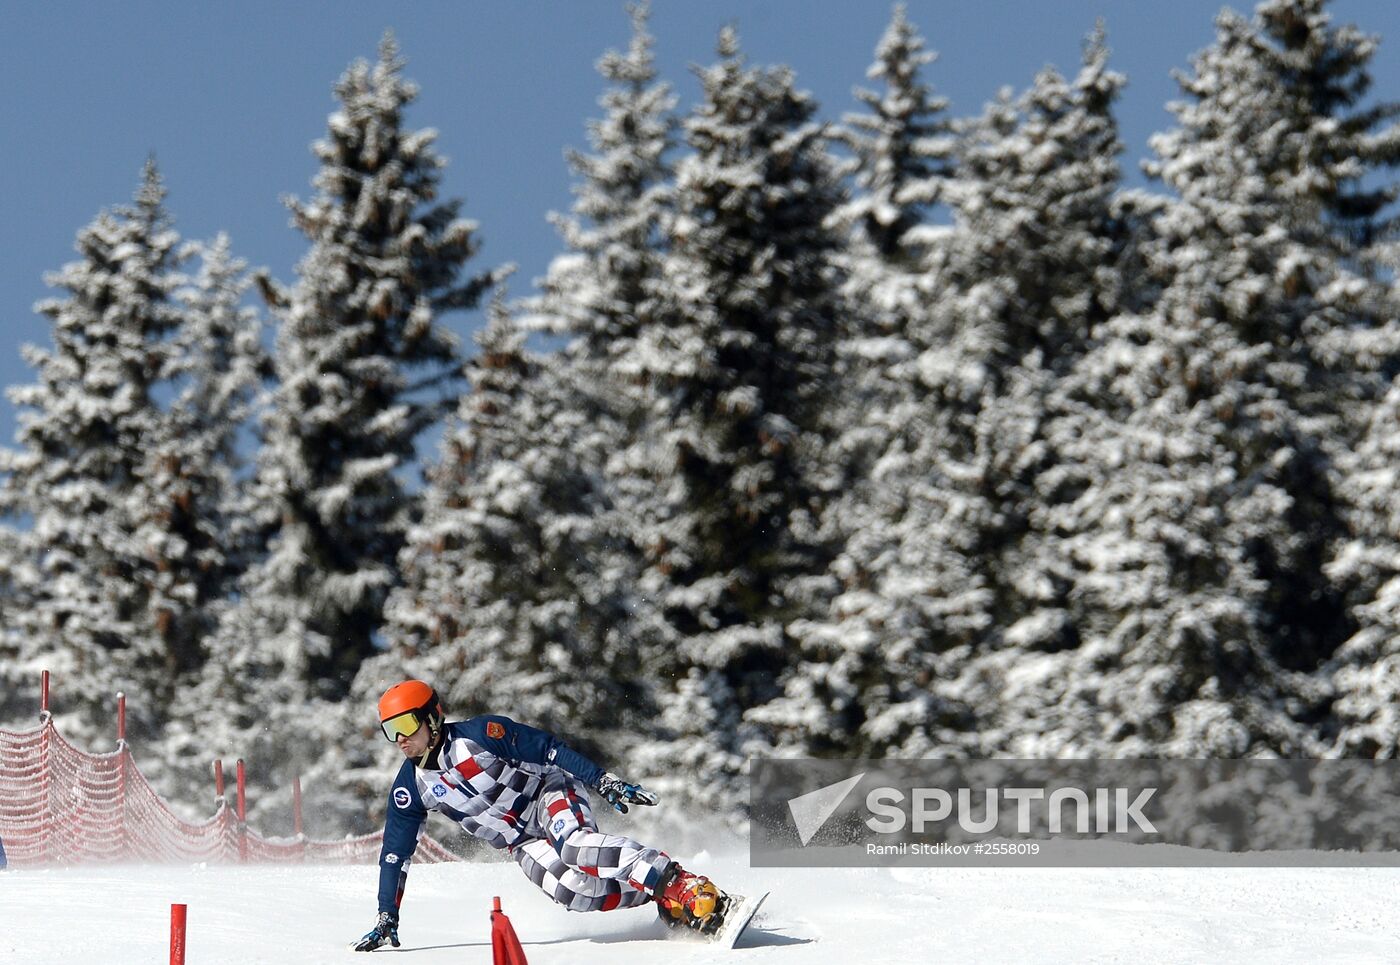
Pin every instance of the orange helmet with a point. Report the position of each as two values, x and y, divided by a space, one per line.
407 706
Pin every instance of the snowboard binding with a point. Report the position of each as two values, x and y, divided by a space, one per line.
690 901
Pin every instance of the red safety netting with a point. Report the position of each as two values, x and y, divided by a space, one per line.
62 805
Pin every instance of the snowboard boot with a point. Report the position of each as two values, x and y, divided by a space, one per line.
690 901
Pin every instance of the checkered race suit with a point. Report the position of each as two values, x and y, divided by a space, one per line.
518 788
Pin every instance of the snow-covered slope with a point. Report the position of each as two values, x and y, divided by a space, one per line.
309 915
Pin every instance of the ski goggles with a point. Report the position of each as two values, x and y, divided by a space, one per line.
403 725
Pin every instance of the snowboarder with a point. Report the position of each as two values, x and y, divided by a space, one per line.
519 788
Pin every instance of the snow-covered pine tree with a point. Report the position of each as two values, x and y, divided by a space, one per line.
199 520
358 350
1338 148
600 295
603 291
496 608
864 683
1035 269
1201 543
742 376
1033 204
902 161
1311 206
193 521
76 477
463 559
363 368
902 151
1335 134
19 681
1365 672
224 366
520 582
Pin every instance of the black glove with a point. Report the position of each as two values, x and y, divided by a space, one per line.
386 929
619 793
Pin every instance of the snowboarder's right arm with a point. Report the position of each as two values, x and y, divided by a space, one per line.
402 821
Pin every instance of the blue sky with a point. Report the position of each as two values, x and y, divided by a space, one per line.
229 97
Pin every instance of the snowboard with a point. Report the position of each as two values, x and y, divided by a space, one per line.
737 916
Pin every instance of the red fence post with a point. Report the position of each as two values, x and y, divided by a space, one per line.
124 842
221 809
45 766
242 814
296 817
296 805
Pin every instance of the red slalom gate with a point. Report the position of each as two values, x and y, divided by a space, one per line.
505 946
177 934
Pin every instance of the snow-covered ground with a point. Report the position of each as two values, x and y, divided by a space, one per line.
309 915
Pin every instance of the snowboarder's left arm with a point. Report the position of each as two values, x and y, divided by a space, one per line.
521 742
